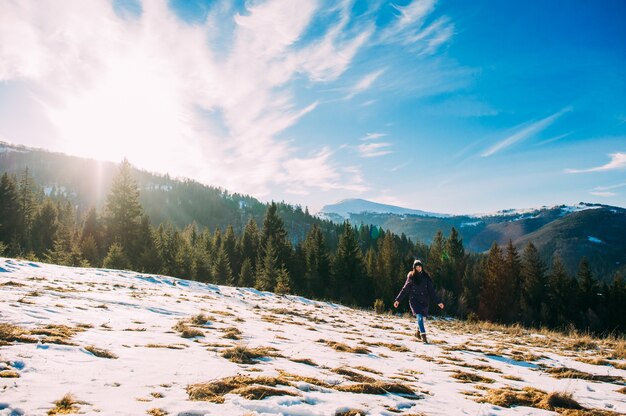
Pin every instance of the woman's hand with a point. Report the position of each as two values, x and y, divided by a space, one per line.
440 305
395 304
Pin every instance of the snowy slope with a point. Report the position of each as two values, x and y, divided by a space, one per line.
137 318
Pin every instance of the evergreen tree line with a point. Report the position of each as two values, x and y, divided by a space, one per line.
352 265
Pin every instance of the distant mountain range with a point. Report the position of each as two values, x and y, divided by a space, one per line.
592 230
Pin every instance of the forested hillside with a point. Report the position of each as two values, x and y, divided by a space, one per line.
281 248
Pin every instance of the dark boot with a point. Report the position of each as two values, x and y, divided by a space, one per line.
418 335
423 337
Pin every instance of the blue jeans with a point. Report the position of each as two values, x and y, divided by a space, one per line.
420 323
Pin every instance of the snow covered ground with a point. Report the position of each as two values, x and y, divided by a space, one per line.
58 325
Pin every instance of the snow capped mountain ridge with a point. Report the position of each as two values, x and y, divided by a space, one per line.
346 207
342 210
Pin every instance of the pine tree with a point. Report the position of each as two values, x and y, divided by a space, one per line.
388 279
267 268
317 273
274 229
116 258
9 208
588 291
229 244
533 285
248 244
494 297
283 282
246 274
457 260
123 211
561 293
221 268
512 270
27 209
436 257
349 270
44 228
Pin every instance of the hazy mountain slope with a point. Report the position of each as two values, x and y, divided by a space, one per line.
126 343
597 234
166 200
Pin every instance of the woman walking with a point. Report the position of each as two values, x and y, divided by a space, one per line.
420 289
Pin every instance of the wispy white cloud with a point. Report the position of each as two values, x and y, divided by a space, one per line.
606 188
605 194
525 133
368 150
618 161
411 28
373 136
364 83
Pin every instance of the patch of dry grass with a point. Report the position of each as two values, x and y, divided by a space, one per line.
200 319
14 333
157 412
565 372
353 375
9 374
513 378
306 361
561 402
350 412
622 390
67 405
232 333
100 352
12 284
338 346
483 368
252 388
464 377
241 354
57 334
379 388
619 350
168 346
392 347
367 369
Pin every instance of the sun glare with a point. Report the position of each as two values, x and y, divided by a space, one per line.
131 110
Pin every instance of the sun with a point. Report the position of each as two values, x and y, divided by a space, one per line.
131 109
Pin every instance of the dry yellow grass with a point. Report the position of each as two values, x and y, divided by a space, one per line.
65 406
168 346
367 369
241 354
353 375
470 378
379 388
9 374
338 346
306 361
14 333
565 372
350 412
214 391
392 347
561 402
157 412
232 333
100 352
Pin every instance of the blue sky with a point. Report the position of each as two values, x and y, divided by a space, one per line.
444 106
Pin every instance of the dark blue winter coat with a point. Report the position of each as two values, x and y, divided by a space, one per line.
420 289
